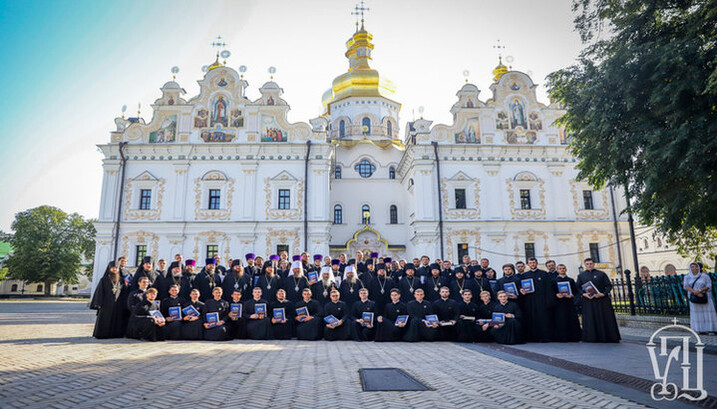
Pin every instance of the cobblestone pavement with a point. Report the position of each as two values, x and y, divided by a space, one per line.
48 359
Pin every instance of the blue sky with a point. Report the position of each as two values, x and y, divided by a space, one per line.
68 67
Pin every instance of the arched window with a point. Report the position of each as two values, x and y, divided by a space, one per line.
645 243
13 288
342 129
392 173
366 126
365 214
365 168
338 214
389 129
393 214
337 172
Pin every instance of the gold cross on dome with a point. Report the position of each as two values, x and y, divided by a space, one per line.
359 11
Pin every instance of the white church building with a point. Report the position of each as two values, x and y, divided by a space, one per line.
218 173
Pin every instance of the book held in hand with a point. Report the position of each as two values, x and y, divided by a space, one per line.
367 318
498 317
590 289
302 313
236 309
260 309
510 288
527 285
279 314
213 319
564 288
402 319
312 277
331 320
190 311
175 313
432 319
157 315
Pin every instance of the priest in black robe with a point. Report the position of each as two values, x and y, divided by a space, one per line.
188 276
480 282
510 332
172 329
235 322
257 326
269 282
458 284
350 286
409 283
321 290
316 266
192 326
468 313
360 263
251 269
309 327
537 306
552 269
207 280
447 309
485 311
146 270
446 270
136 296
509 276
173 277
599 323
218 331
379 288
110 300
237 279
370 273
433 283
566 325
295 282
142 325
282 329
387 327
424 269
340 330
361 330
419 329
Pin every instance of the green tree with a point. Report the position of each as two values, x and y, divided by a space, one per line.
641 106
48 246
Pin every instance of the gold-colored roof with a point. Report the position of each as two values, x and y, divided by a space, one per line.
360 80
215 64
499 70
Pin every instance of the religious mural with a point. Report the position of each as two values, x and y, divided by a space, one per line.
217 135
565 136
517 114
535 123
219 112
167 131
222 83
200 121
521 136
519 127
271 131
470 133
501 121
237 119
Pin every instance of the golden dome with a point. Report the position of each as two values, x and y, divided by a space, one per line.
499 70
360 80
215 64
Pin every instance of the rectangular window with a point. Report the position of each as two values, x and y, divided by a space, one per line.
460 198
212 250
529 250
462 250
588 199
525 199
282 247
214 199
595 252
284 199
141 252
338 214
145 199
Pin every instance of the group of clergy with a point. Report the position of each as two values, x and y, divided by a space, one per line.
377 299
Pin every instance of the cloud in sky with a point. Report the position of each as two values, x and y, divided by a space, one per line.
69 66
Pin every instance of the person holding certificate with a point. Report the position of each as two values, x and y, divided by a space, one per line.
538 300
447 309
281 313
361 329
235 322
599 322
565 319
485 312
468 313
172 330
192 312
143 324
510 331
308 325
109 300
508 281
419 328
391 324
322 289
337 331
257 326
216 331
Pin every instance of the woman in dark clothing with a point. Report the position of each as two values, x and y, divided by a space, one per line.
172 330
282 329
509 333
192 328
218 331
337 308
110 300
566 327
257 325
388 329
309 327
142 324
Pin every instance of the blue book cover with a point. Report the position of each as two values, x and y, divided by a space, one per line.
402 319
235 308
498 317
157 315
590 289
190 311
527 285
212 318
367 318
432 319
279 314
312 277
564 288
302 312
175 313
260 309
331 319
256 280
493 284
510 288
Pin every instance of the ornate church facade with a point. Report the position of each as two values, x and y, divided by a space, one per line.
221 174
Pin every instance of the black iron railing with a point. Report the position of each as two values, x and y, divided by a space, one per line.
663 295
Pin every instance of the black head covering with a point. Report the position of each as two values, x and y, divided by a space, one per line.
369 262
146 259
435 266
110 265
352 261
380 266
236 262
473 269
175 264
410 266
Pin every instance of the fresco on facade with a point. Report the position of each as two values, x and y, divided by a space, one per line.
219 112
217 135
517 114
271 131
521 137
535 123
237 119
167 131
200 121
470 133
501 122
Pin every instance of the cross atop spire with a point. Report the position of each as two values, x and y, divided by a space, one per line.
359 11
498 47
218 43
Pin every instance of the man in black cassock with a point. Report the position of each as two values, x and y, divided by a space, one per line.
469 312
599 323
295 282
447 310
309 327
137 295
480 282
424 270
418 328
236 279
269 282
257 326
322 289
370 273
110 301
566 324
509 276
216 304
460 283
537 306
251 270
360 330
207 280
173 277
387 326
172 329
552 270
162 268
337 308
350 286
146 270
316 266
360 263
433 283
409 283
379 288
446 270
188 277
142 325
235 322
282 329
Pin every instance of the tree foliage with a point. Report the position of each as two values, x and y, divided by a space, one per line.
641 105
48 246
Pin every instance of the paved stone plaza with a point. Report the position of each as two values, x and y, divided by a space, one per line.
49 359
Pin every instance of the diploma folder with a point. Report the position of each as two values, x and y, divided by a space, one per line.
527 285
331 320
302 313
235 308
590 289
260 309
312 277
213 319
432 319
498 317
190 311
402 319
564 288
279 314
367 318
175 313
157 315
510 288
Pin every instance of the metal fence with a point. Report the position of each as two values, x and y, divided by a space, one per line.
663 295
